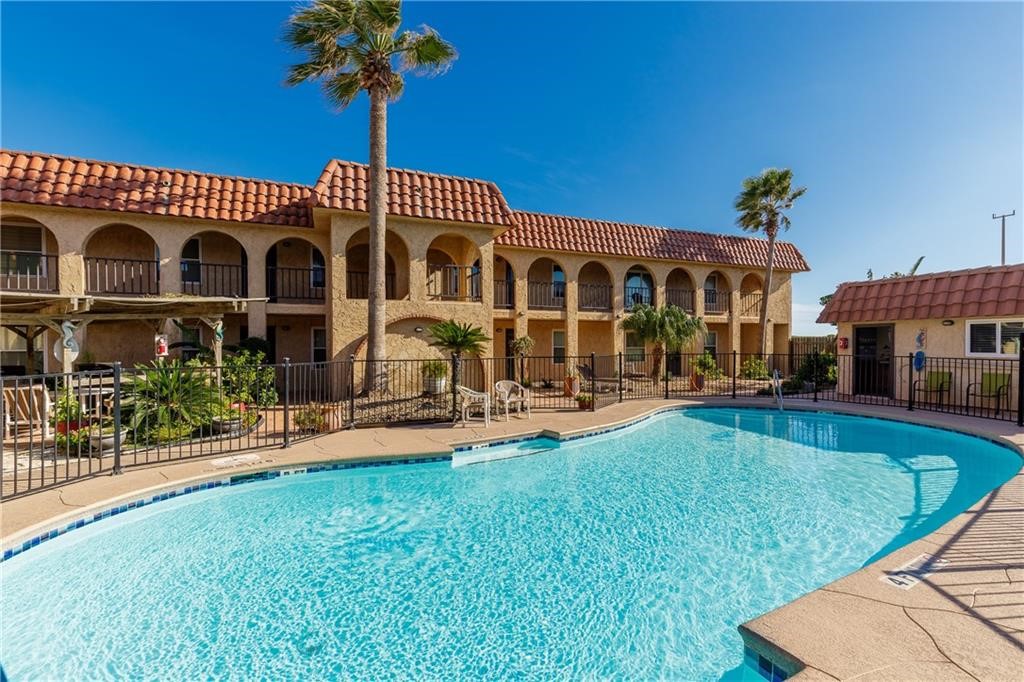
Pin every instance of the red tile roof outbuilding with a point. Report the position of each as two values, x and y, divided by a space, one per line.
980 292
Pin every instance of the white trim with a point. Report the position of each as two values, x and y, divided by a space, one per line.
998 322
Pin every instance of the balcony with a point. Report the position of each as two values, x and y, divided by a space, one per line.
546 295
716 302
595 296
357 285
27 271
453 283
750 303
638 296
214 279
296 285
122 276
504 294
680 298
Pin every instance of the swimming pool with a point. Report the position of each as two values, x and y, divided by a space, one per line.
630 555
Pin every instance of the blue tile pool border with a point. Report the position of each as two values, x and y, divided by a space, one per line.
292 469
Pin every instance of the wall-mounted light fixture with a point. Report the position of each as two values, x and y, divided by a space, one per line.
418 330
948 323
286 244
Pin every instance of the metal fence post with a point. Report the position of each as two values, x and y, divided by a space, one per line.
351 391
455 388
910 382
665 374
734 375
1020 381
287 400
814 374
117 418
593 382
621 385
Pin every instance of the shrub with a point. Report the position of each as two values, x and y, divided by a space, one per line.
820 367
168 399
754 368
67 407
247 380
71 441
434 369
706 365
310 418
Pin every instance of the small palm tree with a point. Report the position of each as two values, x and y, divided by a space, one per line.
458 339
761 205
668 328
351 46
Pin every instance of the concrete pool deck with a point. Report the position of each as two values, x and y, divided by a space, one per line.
964 621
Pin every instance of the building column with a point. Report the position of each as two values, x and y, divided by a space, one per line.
735 328
256 312
572 341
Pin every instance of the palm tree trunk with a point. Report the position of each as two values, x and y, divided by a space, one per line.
376 379
659 354
771 231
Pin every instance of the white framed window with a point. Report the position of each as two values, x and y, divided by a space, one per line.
318 341
191 257
193 336
318 268
711 343
994 338
635 348
558 346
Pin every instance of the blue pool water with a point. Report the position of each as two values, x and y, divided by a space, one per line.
632 555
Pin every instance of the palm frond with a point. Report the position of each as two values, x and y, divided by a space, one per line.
342 88
426 52
382 16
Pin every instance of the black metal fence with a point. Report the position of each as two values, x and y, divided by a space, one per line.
58 428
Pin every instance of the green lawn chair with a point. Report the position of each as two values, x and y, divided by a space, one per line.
939 384
992 385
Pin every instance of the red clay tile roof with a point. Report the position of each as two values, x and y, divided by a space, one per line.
583 235
345 185
34 178
981 292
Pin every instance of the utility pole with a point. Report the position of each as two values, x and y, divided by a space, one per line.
1003 218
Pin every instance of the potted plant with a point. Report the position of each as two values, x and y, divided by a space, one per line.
310 419
522 347
572 382
585 401
67 413
230 420
435 376
102 439
704 366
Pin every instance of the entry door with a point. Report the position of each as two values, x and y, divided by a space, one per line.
872 360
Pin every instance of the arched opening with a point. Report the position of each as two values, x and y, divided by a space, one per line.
639 287
296 272
357 266
546 285
453 269
121 259
504 284
28 255
595 287
679 290
751 295
214 264
716 294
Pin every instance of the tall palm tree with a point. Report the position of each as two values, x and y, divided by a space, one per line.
668 328
350 46
762 205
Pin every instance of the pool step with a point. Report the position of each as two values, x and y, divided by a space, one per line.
482 455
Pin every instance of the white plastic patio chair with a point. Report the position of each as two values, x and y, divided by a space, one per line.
512 394
471 399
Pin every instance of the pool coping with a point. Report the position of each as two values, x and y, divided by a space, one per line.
787 659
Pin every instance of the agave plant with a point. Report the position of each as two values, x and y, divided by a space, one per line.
168 400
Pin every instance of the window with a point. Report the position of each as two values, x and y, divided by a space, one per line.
711 343
557 283
318 269
558 346
635 348
191 270
319 344
996 337
193 336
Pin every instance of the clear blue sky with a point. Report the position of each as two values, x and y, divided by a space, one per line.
904 120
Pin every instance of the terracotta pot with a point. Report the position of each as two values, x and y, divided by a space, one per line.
73 425
697 382
572 386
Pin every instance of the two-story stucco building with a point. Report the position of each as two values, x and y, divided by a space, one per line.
116 249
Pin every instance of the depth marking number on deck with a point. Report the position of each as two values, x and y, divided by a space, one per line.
913 572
